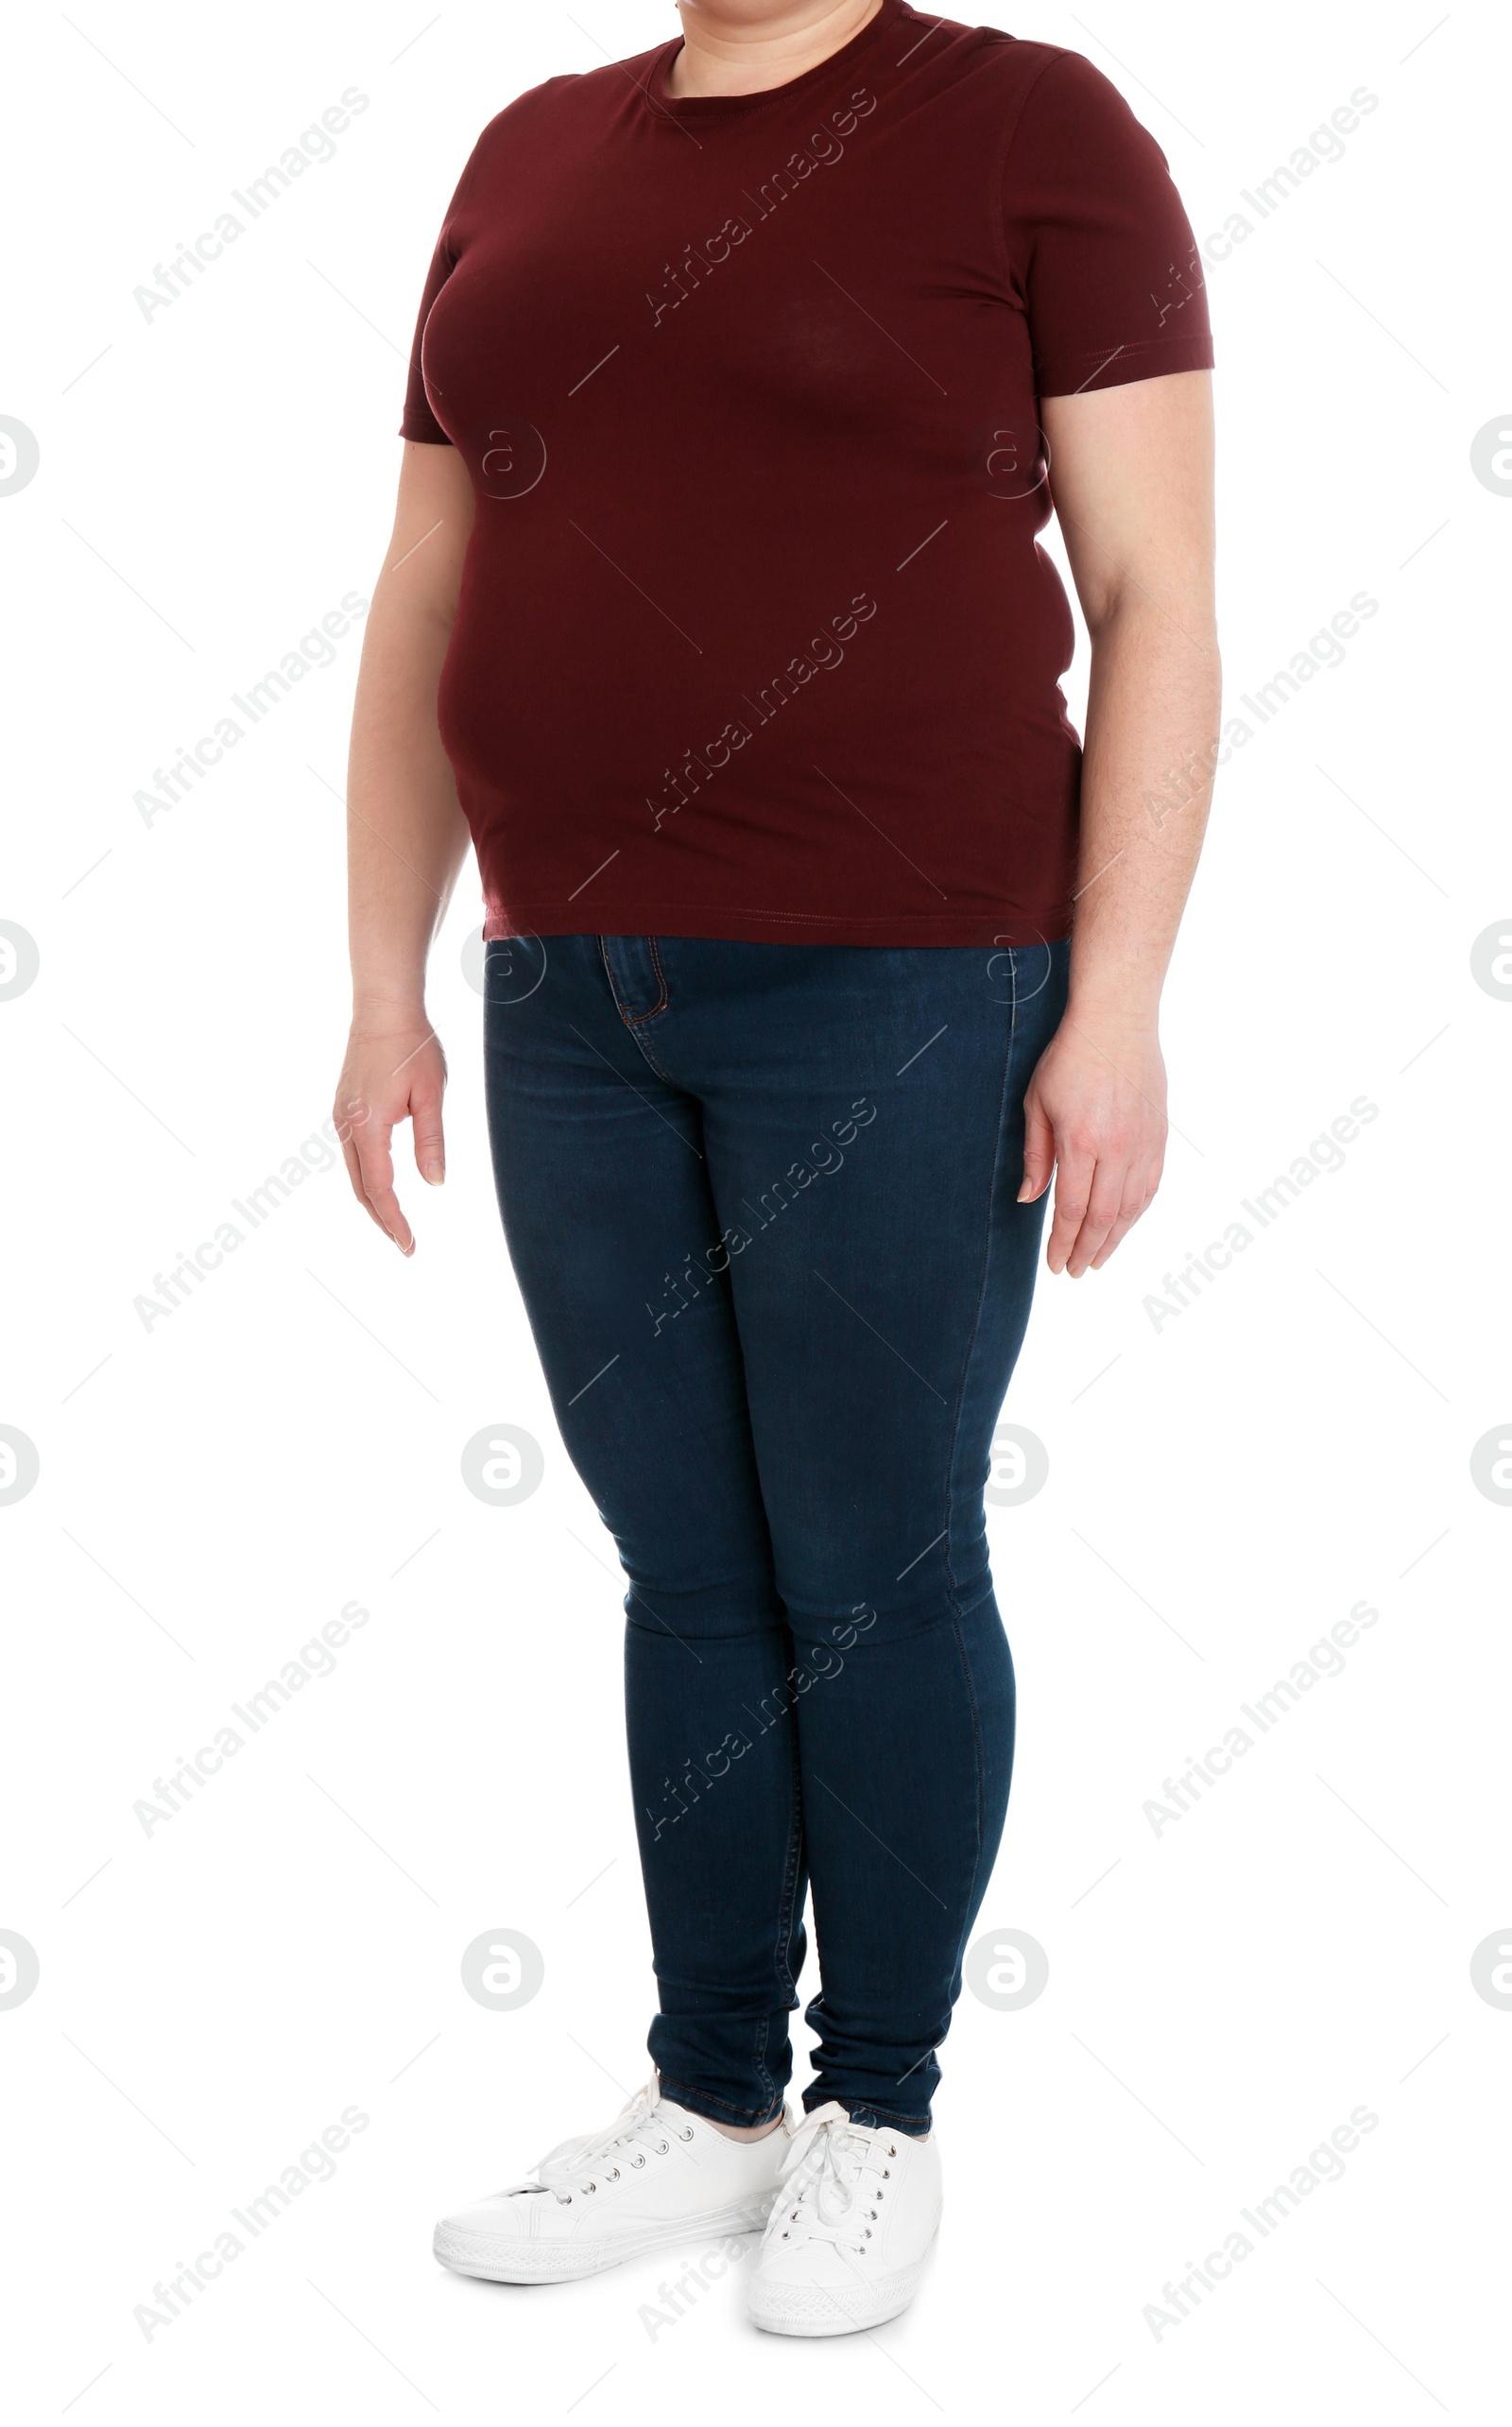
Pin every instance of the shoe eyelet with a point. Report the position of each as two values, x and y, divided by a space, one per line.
886 2174
866 2236
687 2135
637 2162
615 2176
593 2186
661 2148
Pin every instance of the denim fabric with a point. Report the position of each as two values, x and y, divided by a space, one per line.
761 1203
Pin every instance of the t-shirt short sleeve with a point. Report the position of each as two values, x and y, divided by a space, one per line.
1101 249
419 421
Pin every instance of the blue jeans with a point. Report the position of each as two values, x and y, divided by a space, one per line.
761 1203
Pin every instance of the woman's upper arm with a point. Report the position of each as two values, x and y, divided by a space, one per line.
1131 481
432 522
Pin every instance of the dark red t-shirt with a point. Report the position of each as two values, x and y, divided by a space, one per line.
755 638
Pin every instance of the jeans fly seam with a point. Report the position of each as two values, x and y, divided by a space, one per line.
650 1056
635 1019
661 978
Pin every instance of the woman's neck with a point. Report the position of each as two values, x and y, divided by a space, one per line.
730 48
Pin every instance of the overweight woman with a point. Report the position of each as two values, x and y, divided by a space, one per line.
745 375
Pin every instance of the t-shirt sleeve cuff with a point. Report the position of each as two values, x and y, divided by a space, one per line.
1118 365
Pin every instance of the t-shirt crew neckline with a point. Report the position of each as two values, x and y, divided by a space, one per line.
708 106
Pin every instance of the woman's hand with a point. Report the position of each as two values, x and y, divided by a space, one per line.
1094 1111
395 1071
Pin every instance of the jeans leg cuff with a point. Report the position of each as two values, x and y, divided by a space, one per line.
717 2110
870 2117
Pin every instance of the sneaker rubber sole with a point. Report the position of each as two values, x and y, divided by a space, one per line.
509 2258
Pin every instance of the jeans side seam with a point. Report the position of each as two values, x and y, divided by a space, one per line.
764 2033
795 1842
956 1612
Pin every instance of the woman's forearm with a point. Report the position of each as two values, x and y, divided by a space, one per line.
406 835
1150 750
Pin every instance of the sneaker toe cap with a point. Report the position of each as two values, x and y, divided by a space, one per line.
806 2264
474 2234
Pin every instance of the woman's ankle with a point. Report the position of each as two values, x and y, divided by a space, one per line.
731 2132
745 2132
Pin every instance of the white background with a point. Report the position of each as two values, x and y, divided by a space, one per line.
213 1490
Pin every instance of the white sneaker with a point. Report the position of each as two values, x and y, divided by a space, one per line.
657 2174
852 2227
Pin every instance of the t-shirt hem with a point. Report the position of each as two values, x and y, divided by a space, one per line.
1016 928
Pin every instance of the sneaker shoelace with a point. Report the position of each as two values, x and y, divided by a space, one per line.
828 2196
642 2128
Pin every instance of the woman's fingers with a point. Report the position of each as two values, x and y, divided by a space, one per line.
350 1158
370 1138
425 1117
1099 1197
1075 1167
1038 1147
1140 1184
349 1154
1104 1199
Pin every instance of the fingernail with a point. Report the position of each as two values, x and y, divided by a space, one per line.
435 1172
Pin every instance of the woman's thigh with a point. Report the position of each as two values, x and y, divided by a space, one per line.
862 1123
604 1190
